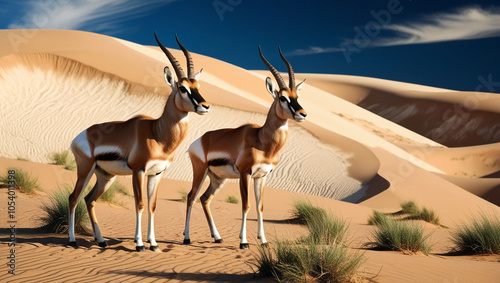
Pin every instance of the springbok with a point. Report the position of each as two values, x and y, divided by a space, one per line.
142 147
249 151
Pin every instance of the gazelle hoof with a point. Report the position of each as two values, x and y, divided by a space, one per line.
155 248
103 244
140 248
73 244
218 241
244 246
266 244
187 241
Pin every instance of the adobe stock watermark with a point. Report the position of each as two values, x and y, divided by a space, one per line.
365 35
35 22
223 6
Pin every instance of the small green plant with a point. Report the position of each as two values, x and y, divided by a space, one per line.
110 195
22 158
306 212
481 236
324 228
24 182
305 262
65 159
428 216
377 218
232 199
409 207
184 195
401 236
415 213
57 212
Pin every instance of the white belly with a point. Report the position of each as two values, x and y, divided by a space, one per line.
225 171
155 167
115 167
261 170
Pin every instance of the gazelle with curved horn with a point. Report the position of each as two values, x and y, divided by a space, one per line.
142 147
249 151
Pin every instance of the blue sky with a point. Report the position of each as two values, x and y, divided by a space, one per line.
450 44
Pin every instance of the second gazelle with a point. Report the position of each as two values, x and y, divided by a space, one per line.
250 151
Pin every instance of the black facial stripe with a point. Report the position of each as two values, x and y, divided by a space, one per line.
219 162
195 98
294 105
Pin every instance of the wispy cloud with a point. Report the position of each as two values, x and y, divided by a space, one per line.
461 24
313 50
93 15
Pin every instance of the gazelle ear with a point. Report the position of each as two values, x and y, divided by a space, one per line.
169 76
271 88
197 76
299 86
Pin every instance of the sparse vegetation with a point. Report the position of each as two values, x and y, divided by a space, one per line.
321 256
308 262
377 218
324 228
232 199
400 236
24 182
481 236
57 212
22 158
415 213
409 207
184 195
110 195
65 159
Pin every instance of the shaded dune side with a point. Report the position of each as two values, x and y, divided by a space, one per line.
450 124
55 98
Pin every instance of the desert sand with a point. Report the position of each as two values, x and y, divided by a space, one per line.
363 147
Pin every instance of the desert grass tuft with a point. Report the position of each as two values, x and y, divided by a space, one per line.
324 228
377 218
57 212
402 236
309 262
409 207
232 199
480 236
184 195
65 159
24 183
415 213
111 194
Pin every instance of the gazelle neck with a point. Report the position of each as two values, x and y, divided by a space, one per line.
274 133
172 125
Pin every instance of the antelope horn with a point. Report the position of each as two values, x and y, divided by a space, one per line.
177 67
188 59
276 74
291 75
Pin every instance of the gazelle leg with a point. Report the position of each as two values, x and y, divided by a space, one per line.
199 174
244 178
104 181
259 200
153 182
137 181
216 184
85 170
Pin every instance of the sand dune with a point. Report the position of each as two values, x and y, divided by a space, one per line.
364 140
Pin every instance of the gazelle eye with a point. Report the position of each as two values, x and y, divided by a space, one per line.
183 89
283 99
